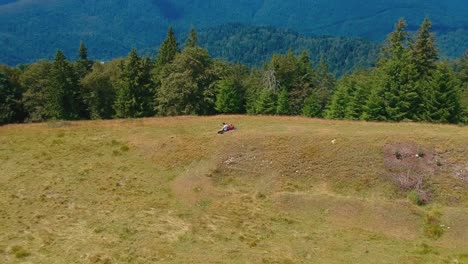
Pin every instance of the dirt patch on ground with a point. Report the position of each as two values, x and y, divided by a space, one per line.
410 166
410 157
195 186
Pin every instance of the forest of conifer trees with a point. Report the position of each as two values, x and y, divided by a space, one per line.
409 83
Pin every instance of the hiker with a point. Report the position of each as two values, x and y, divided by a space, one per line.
226 128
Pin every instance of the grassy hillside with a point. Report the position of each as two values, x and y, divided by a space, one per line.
276 190
30 30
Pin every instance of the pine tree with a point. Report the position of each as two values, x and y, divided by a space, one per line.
312 107
282 106
374 108
358 96
396 44
443 101
336 109
134 94
64 98
400 91
192 40
305 62
424 51
228 97
325 83
168 49
83 64
266 103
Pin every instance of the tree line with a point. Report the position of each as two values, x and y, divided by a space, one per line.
408 83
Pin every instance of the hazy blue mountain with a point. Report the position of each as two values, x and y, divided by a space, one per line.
35 29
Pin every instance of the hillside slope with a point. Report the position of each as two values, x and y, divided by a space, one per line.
30 29
252 46
276 190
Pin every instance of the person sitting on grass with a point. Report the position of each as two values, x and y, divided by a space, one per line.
226 128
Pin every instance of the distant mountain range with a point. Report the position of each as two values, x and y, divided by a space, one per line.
30 29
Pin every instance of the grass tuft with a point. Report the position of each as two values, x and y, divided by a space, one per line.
124 148
20 252
433 227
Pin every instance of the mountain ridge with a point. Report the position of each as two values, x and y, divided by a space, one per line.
31 30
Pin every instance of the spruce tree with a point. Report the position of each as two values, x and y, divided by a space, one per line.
374 108
64 98
305 64
168 49
192 40
228 97
443 100
396 44
134 96
358 95
312 107
336 109
282 105
325 83
266 103
424 51
399 88
83 65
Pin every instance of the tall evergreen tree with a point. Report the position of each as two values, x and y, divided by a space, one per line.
134 96
396 44
400 91
358 96
228 97
374 108
325 83
443 98
63 96
312 107
282 105
336 109
83 64
192 40
168 49
424 51
266 102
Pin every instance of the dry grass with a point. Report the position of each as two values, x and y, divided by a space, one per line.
277 190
